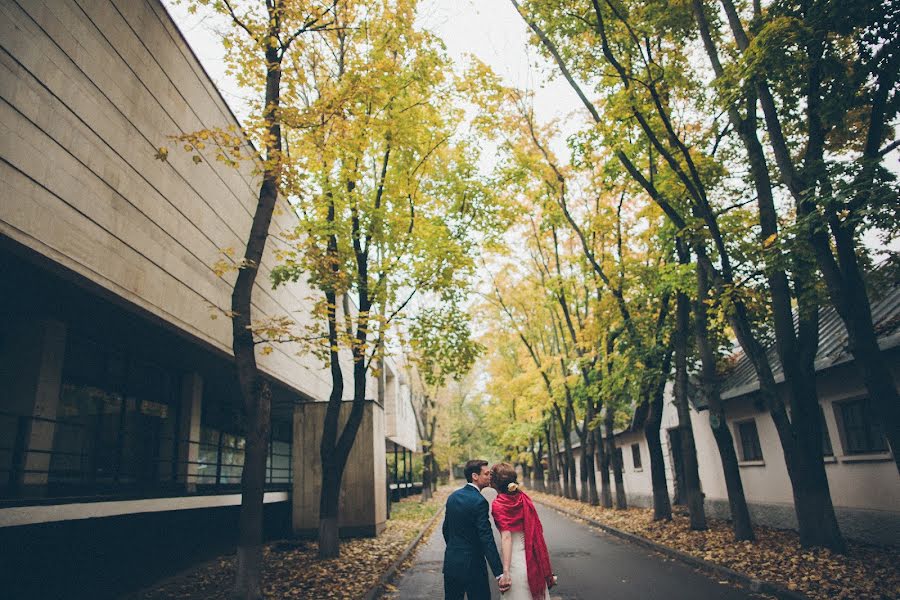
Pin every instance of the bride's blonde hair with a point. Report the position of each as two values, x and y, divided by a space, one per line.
504 478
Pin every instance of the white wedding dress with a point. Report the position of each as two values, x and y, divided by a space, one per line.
518 571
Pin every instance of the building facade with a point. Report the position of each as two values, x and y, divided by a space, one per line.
121 427
862 476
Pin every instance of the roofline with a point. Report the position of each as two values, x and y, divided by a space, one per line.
200 63
888 343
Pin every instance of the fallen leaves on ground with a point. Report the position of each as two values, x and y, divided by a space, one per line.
293 569
865 573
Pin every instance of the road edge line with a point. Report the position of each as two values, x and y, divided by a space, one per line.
755 585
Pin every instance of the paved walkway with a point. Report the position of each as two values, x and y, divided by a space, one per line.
591 565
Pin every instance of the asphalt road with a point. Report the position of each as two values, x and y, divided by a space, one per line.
591 565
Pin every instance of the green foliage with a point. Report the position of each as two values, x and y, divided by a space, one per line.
440 339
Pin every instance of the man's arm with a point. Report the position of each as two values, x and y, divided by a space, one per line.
445 527
487 539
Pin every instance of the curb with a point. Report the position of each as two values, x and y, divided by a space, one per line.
755 585
376 590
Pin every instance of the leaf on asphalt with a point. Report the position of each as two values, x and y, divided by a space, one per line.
866 573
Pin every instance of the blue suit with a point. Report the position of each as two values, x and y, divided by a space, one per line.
469 539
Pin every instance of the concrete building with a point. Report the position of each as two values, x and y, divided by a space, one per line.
862 476
121 444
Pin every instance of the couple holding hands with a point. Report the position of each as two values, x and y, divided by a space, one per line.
524 572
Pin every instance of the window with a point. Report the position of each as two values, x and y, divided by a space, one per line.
636 455
115 427
749 438
222 448
278 464
861 433
826 439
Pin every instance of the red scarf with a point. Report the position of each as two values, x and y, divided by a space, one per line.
516 512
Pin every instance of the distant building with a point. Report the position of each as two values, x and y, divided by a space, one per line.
862 476
121 429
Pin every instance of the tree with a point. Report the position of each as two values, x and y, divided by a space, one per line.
529 150
261 38
646 52
826 78
441 347
387 203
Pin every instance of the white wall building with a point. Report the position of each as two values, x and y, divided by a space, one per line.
862 476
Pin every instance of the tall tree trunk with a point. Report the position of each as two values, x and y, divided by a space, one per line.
255 391
428 467
538 469
334 461
613 456
693 493
603 462
552 456
737 502
662 507
654 393
588 467
583 459
817 523
563 456
330 493
586 475
593 495
571 477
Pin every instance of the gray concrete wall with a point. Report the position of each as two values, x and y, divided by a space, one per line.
363 500
91 89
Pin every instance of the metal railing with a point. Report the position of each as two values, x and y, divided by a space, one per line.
43 460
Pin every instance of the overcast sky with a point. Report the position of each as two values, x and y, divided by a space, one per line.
489 29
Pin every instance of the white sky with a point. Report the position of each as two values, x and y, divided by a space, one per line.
489 29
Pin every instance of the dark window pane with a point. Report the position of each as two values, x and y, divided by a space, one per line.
750 448
862 433
636 455
116 422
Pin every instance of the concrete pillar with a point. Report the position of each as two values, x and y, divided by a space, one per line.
32 358
363 505
189 430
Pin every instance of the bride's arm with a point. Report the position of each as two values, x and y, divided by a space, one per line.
506 549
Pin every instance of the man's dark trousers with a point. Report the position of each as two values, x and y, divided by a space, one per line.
469 539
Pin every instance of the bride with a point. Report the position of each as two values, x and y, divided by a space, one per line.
522 547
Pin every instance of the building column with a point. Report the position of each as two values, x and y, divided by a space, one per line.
189 430
32 357
363 506
395 495
406 472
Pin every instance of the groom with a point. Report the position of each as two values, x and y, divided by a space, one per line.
469 539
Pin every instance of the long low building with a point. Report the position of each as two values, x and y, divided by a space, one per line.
862 475
121 426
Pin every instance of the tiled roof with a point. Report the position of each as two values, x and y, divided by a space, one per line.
833 343
833 350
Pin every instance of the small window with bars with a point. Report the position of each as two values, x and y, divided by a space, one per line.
636 455
860 432
749 438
